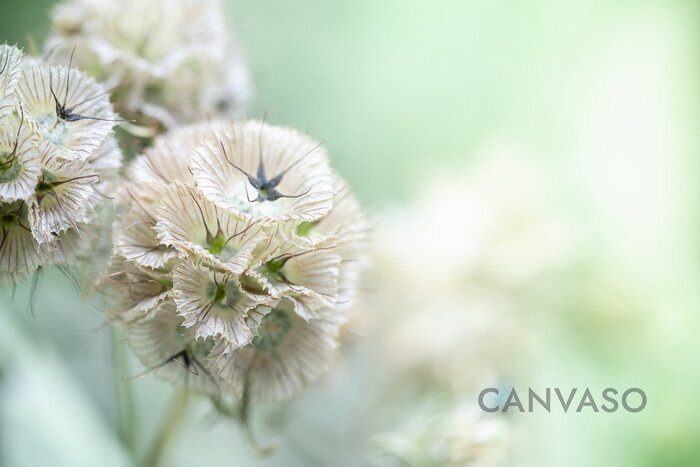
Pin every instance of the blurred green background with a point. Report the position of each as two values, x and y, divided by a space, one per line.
603 93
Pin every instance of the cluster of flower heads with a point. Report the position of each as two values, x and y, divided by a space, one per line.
172 62
58 158
236 256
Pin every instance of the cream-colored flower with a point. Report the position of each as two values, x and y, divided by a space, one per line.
172 353
72 112
82 253
135 236
135 292
192 224
173 59
444 433
288 354
107 163
510 229
64 196
344 221
265 173
306 273
10 66
215 304
205 88
168 159
19 158
19 252
347 223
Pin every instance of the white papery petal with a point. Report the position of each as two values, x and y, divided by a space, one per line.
67 199
10 66
20 164
195 293
184 73
134 230
186 221
19 253
172 353
345 221
135 293
244 145
289 354
310 277
107 162
167 160
73 139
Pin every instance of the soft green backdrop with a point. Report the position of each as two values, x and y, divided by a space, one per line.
605 92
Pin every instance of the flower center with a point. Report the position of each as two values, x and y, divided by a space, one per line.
273 330
8 219
52 128
227 295
216 243
274 269
10 166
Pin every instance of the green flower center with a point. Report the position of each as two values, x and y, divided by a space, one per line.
227 294
200 348
8 219
10 166
304 229
44 186
274 269
217 243
273 330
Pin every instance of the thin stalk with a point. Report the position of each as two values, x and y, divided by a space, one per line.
169 428
124 394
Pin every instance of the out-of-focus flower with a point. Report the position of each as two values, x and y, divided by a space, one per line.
255 285
172 60
470 256
450 434
57 162
461 273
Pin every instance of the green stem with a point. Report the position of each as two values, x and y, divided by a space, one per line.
125 398
175 416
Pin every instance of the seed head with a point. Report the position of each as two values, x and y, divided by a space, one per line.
57 162
231 227
174 60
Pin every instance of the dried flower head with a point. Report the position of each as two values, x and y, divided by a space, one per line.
56 154
174 60
259 283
